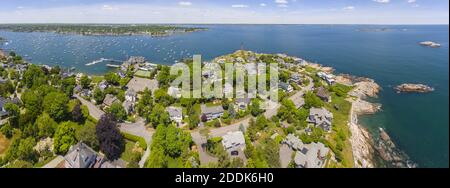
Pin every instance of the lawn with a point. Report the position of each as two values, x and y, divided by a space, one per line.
4 144
127 155
97 79
143 74
340 124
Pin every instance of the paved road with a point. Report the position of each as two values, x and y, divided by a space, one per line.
94 111
199 140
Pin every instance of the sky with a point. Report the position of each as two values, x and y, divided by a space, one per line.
226 11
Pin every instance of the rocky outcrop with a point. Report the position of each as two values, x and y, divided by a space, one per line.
430 44
389 152
413 88
364 89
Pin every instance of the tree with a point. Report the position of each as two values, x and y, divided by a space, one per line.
64 137
87 134
55 104
34 77
14 114
110 140
98 95
118 111
46 125
32 102
25 151
67 85
255 108
77 114
159 116
85 81
311 100
112 78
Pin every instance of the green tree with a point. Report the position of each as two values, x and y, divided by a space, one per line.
46 125
311 100
112 78
87 134
55 104
85 81
118 111
98 95
64 137
14 114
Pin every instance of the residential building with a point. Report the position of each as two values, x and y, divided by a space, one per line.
242 103
109 100
313 156
174 92
175 113
329 78
3 112
82 156
320 117
130 95
286 87
296 78
233 142
103 85
323 94
212 112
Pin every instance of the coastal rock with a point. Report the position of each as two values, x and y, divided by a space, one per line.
364 107
413 88
364 89
389 152
362 145
430 44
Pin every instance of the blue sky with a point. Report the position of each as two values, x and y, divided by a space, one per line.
226 11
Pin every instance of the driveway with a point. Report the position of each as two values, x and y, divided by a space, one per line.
139 129
199 140
94 111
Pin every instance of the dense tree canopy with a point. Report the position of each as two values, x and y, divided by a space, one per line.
55 104
110 140
64 137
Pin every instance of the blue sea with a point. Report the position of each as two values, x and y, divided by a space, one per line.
418 123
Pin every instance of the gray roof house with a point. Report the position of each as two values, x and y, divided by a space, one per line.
320 117
82 156
3 112
109 100
130 95
242 103
102 85
233 141
212 112
175 113
296 78
286 87
323 94
311 157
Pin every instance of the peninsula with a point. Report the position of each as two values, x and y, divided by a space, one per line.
101 29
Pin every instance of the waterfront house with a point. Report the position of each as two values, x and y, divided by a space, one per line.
175 113
135 60
320 117
329 78
233 142
109 100
286 87
323 94
312 156
85 93
298 100
212 112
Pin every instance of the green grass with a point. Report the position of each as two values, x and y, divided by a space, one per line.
4 144
128 153
135 138
340 123
97 79
143 74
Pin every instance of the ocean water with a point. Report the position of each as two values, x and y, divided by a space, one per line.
418 123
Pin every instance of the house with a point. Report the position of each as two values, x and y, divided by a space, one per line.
103 85
3 112
212 112
329 78
130 95
323 94
135 60
77 89
242 103
174 92
295 78
298 100
313 156
122 74
175 113
85 93
286 87
109 100
233 142
82 156
128 106
320 117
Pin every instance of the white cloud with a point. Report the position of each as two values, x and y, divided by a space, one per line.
282 5
109 8
349 8
382 1
239 6
185 3
20 7
412 1
262 4
281 1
